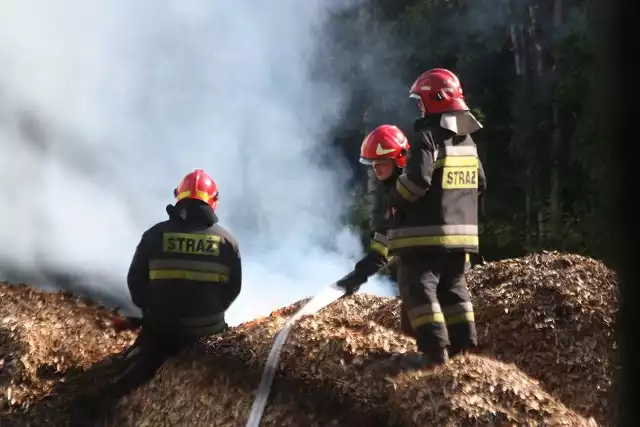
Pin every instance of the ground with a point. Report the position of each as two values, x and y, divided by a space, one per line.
547 358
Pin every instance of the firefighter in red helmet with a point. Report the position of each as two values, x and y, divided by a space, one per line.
435 224
385 148
185 273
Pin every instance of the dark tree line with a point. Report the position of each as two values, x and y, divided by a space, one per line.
528 70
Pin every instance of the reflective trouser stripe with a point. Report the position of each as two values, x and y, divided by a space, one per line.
460 318
425 315
461 312
432 313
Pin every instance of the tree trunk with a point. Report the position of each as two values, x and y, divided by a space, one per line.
521 64
555 203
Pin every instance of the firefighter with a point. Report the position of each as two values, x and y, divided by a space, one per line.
185 273
385 149
435 200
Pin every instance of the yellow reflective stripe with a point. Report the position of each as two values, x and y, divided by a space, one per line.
197 276
199 194
456 161
405 193
425 314
183 264
427 319
379 248
425 309
460 318
412 186
461 312
458 150
467 257
380 237
434 230
408 242
408 189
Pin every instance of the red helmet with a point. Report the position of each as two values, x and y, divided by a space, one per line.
198 185
385 142
440 92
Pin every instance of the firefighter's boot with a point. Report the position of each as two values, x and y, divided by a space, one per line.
457 350
426 360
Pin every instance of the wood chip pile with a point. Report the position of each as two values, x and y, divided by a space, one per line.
338 368
551 314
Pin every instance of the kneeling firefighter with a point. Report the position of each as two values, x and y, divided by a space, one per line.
185 273
435 224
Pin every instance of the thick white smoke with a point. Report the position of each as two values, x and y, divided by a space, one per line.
105 105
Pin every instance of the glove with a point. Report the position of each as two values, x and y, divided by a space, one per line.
128 323
352 282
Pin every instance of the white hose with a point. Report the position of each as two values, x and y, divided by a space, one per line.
317 303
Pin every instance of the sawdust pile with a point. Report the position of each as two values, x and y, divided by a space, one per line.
338 368
551 314
43 335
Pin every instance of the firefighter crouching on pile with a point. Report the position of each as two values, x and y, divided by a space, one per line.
436 218
185 273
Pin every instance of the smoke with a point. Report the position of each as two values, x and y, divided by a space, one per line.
105 105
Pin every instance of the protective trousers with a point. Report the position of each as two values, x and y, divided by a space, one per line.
436 304
145 357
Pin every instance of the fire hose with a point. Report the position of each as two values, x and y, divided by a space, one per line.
317 303
328 295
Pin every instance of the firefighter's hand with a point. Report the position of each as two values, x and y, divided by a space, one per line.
352 282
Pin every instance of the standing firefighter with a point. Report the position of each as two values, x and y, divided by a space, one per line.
436 218
184 275
386 149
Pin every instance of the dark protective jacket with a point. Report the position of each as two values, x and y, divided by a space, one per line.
186 272
381 218
436 196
